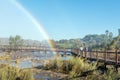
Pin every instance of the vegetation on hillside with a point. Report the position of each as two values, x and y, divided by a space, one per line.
72 43
16 41
104 41
90 41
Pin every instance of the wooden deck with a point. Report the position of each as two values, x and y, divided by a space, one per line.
108 57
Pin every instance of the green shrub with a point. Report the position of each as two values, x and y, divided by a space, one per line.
80 66
8 72
74 66
11 73
109 75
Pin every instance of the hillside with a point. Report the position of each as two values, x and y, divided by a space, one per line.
27 42
90 41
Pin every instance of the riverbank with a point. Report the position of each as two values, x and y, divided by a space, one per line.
40 74
82 69
62 68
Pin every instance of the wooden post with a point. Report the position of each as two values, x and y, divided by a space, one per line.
116 56
85 53
90 54
64 51
105 55
105 58
82 53
96 55
116 60
108 55
77 52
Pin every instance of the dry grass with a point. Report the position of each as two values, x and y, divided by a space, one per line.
73 67
78 68
8 72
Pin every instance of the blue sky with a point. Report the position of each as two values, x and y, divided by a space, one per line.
61 19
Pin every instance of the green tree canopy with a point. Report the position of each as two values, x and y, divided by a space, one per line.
15 41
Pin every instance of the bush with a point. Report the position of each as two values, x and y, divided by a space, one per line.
109 75
74 66
8 72
12 73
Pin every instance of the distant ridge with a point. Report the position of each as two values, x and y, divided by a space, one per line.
27 42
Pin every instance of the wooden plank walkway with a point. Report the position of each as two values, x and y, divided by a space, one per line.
108 57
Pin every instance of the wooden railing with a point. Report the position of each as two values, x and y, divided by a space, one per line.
106 56
113 56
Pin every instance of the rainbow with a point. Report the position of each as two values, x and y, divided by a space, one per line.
35 22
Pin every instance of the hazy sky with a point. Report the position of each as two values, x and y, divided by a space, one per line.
61 19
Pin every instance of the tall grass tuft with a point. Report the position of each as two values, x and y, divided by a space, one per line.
9 72
12 73
80 66
109 75
74 66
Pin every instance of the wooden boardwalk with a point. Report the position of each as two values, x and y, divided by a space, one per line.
108 57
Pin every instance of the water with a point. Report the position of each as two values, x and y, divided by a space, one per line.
37 56
42 77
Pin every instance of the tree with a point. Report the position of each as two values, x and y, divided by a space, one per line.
15 41
106 37
115 43
110 37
